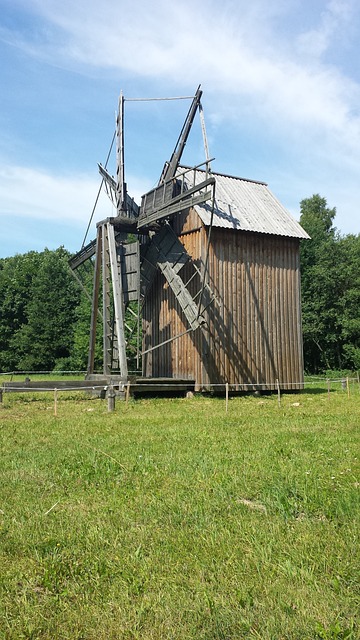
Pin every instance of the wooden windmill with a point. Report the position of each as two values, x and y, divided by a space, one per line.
132 248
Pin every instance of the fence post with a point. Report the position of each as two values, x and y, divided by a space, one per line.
279 392
127 393
1 394
55 402
111 398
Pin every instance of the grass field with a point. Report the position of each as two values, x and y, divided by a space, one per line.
172 519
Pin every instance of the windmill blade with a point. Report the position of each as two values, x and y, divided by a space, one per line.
129 257
111 266
132 208
164 243
168 254
84 254
170 167
121 190
124 270
109 182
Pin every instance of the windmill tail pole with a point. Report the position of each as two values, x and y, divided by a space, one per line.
170 167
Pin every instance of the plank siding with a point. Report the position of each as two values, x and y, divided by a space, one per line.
253 328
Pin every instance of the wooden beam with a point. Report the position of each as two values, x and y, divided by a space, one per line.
107 347
95 303
118 301
120 185
51 385
170 167
84 254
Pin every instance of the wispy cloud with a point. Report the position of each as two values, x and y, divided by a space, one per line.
238 49
37 194
334 24
275 60
39 209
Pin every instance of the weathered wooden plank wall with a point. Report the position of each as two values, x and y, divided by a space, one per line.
253 332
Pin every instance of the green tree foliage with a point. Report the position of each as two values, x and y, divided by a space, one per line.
39 301
330 271
16 277
349 300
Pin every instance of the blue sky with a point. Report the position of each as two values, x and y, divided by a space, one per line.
281 83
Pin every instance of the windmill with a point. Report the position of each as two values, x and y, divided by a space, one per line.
140 242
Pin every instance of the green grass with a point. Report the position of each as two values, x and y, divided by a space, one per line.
171 519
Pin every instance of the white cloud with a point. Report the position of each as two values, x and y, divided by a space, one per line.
40 209
244 55
34 193
237 50
37 194
333 25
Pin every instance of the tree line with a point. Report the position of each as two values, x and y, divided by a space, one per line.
42 313
330 285
45 316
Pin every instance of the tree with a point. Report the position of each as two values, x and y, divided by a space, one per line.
37 310
349 300
330 268
16 280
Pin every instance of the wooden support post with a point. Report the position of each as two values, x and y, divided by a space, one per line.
348 387
279 392
111 398
226 397
55 402
1 394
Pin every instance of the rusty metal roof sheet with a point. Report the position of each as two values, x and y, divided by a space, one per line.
246 205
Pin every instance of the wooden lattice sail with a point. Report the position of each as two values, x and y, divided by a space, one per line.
124 268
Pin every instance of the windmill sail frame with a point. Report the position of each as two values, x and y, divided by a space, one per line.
138 243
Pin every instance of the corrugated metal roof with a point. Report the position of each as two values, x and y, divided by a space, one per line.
245 205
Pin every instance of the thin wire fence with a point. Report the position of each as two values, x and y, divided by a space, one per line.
347 386
343 384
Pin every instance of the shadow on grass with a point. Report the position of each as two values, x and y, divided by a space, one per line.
317 391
